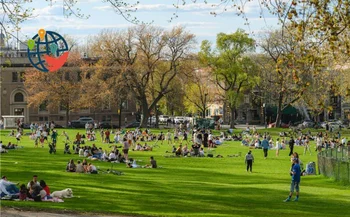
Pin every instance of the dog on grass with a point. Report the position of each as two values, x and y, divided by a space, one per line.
66 193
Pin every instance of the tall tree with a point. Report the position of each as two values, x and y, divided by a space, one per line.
59 89
232 69
199 92
296 65
148 58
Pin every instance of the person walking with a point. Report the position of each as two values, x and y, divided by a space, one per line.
265 146
291 145
307 145
295 172
278 147
249 160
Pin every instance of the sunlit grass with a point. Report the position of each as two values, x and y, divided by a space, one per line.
183 187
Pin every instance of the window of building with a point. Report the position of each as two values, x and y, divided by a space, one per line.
19 111
43 118
21 77
43 106
14 77
106 118
19 97
125 104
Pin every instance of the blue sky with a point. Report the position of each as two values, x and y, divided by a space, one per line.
195 17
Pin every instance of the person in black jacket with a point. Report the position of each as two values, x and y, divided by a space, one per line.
291 146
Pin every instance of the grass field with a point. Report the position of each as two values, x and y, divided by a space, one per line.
183 187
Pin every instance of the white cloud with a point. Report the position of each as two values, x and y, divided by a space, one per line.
197 25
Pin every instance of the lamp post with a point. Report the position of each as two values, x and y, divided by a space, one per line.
205 105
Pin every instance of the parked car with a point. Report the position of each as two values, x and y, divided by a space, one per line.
308 124
133 124
334 125
151 120
107 124
283 125
163 118
179 120
80 123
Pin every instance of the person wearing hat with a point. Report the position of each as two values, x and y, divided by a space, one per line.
249 159
295 172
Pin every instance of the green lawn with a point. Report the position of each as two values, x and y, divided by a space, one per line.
183 187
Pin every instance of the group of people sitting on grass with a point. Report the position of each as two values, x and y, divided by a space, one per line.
81 167
34 190
196 150
4 148
145 147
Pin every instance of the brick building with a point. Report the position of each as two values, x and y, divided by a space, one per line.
13 96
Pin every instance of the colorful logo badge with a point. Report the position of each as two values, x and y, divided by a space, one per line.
47 51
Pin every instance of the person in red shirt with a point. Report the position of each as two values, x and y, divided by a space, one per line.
107 133
45 187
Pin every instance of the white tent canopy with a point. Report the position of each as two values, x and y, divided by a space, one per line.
10 121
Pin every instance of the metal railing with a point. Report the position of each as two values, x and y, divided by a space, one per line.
334 163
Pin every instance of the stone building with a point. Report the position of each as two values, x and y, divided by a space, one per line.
13 96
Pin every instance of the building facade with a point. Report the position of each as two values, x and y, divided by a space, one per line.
14 97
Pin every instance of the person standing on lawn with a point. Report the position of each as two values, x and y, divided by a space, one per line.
295 172
291 145
249 159
265 146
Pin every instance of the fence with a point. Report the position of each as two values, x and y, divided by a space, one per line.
334 163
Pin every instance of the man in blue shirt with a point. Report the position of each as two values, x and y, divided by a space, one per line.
265 146
295 180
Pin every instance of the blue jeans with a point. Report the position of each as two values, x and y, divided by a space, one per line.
294 185
99 155
11 189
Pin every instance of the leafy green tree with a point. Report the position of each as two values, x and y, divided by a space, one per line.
232 68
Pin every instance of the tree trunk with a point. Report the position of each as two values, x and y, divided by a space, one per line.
157 118
224 115
279 110
120 114
145 113
67 114
233 117
203 113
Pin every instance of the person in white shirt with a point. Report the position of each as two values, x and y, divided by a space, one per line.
81 152
112 156
278 147
307 145
344 141
168 137
116 138
201 152
210 141
18 137
35 180
92 169
79 168
7 187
